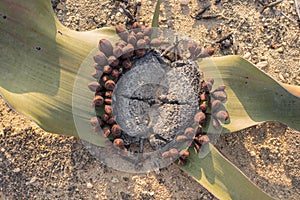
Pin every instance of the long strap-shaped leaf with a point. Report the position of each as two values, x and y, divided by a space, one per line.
253 96
40 59
220 177
39 62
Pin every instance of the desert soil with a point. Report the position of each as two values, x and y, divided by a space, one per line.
35 164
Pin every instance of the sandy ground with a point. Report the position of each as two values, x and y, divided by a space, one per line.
38 165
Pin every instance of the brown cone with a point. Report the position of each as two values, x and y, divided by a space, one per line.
106 47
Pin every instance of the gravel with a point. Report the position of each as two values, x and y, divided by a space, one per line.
38 165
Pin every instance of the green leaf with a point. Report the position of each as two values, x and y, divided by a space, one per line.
44 68
220 177
253 96
40 59
155 18
39 83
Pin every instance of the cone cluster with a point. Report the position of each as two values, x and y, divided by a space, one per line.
114 60
111 62
212 110
197 51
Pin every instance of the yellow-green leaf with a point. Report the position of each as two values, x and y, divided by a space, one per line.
220 177
156 14
40 59
253 96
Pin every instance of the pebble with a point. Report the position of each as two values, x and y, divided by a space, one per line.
263 58
252 153
32 180
247 55
89 185
260 16
281 77
184 2
60 6
151 193
16 170
262 64
115 180
280 50
286 75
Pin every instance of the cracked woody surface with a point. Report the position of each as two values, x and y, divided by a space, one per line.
157 100
11 85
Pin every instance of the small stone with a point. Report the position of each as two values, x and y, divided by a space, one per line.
280 50
184 2
281 77
252 153
263 58
32 180
115 180
16 170
151 193
247 55
276 70
60 6
286 75
89 185
262 64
